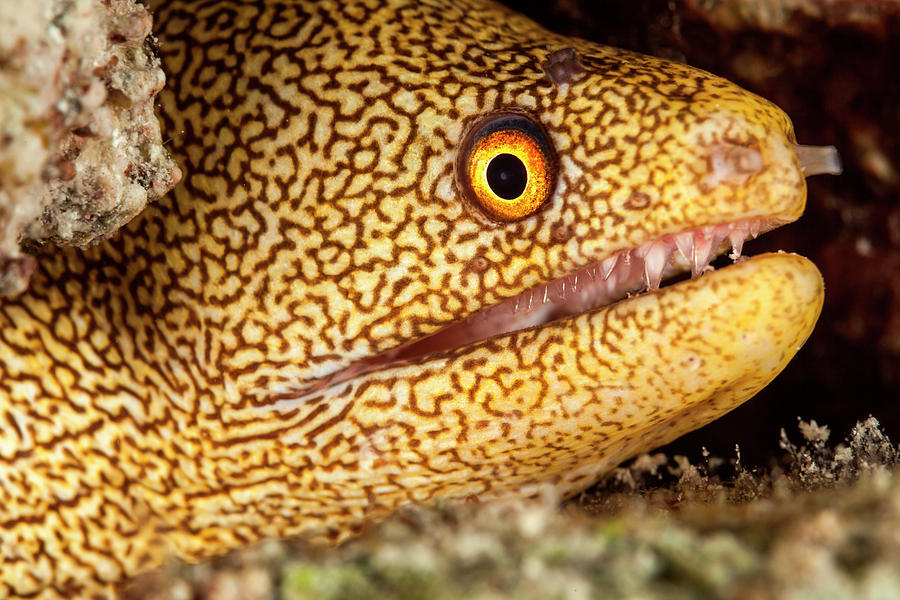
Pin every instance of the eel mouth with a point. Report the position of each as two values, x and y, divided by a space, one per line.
622 275
619 276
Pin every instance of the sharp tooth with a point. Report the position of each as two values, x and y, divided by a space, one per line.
736 237
703 250
530 300
655 260
575 282
623 268
685 244
641 251
754 227
718 236
607 265
546 294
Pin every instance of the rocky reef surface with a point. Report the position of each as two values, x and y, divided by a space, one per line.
80 146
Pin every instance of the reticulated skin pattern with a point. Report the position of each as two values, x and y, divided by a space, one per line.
166 393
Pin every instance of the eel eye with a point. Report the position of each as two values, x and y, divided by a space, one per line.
507 166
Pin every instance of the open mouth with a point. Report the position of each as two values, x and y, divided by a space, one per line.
604 282
619 276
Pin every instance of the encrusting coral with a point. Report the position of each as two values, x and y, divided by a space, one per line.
80 146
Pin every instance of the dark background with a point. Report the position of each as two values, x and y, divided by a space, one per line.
835 70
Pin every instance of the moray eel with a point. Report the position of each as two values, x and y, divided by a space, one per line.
405 264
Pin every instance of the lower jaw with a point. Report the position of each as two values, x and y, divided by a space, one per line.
564 402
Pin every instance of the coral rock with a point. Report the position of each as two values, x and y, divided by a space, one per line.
80 146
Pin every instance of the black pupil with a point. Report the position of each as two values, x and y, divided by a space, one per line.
507 176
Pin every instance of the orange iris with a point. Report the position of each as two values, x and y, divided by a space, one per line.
508 167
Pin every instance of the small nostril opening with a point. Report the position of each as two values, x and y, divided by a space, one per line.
743 160
818 160
728 163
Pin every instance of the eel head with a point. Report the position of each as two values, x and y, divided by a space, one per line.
422 250
431 259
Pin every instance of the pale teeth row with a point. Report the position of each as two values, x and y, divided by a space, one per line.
628 271
697 248
599 284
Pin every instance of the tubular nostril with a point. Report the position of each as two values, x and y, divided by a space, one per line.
817 160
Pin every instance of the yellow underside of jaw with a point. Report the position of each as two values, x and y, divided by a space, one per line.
558 404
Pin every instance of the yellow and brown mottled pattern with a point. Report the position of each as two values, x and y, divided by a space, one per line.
151 387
